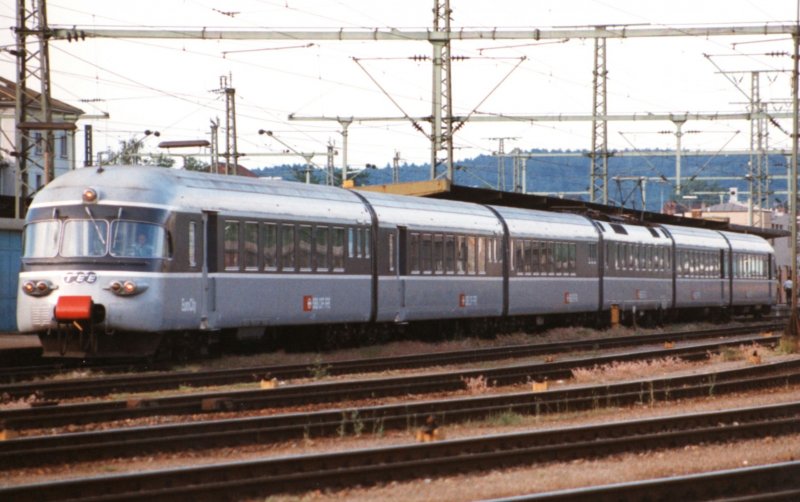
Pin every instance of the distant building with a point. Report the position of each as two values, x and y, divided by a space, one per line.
64 141
240 170
733 212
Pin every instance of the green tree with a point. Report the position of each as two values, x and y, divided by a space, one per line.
192 164
130 152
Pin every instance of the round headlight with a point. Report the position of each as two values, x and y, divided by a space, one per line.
29 287
116 286
89 195
129 287
42 286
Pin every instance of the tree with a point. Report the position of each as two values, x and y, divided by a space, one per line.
192 164
130 152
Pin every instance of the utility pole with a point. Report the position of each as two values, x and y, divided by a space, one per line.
598 174
678 135
215 146
308 156
32 65
501 160
442 90
520 163
231 150
793 330
330 165
396 167
345 123
440 37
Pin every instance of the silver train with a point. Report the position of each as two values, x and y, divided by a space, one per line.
121 261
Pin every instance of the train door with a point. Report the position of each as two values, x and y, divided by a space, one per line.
209 304
402 262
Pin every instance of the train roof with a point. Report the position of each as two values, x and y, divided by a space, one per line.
547 225
698 237
594 210
421 214
177 189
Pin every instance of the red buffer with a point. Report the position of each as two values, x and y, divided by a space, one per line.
73 308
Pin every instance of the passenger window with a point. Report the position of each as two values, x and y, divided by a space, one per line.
536 259
471 257
461 254
482 256
304 247
269 240
449 254
391 252
425 253
413 251
231 245
352 242
192 244
438 254
322 249
337 249
251 245
287 247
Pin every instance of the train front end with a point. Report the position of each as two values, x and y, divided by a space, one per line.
91 274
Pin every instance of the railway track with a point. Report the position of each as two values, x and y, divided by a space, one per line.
767 482
86 387
43 450
53 414
376 465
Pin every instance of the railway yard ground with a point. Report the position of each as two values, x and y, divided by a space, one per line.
630 385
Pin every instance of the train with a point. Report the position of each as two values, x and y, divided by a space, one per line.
134 261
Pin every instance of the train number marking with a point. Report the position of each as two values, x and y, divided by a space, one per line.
80 277
467 300
188 305
312 303
570 297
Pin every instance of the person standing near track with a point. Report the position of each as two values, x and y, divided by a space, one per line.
787 288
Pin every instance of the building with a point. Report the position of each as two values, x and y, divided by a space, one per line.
11 228
64 144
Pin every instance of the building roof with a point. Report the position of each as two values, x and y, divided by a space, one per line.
8 97
726 207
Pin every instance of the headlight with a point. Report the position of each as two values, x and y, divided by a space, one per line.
129 287
126 288
38 288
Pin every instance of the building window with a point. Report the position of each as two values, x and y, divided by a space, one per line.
38 143
62 146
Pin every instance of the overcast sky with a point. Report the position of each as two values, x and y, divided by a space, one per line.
168 85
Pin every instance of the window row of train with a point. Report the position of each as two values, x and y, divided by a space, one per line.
120 261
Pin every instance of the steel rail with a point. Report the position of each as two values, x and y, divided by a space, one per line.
86 387
64 448
765 482
370 466
52 415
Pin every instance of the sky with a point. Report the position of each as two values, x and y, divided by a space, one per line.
169 85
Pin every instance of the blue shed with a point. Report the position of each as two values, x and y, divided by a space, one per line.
10 254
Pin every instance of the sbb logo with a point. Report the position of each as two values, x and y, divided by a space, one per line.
80 278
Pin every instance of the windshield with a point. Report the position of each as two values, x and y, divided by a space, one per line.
92 238
84 238
41 239
133 238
